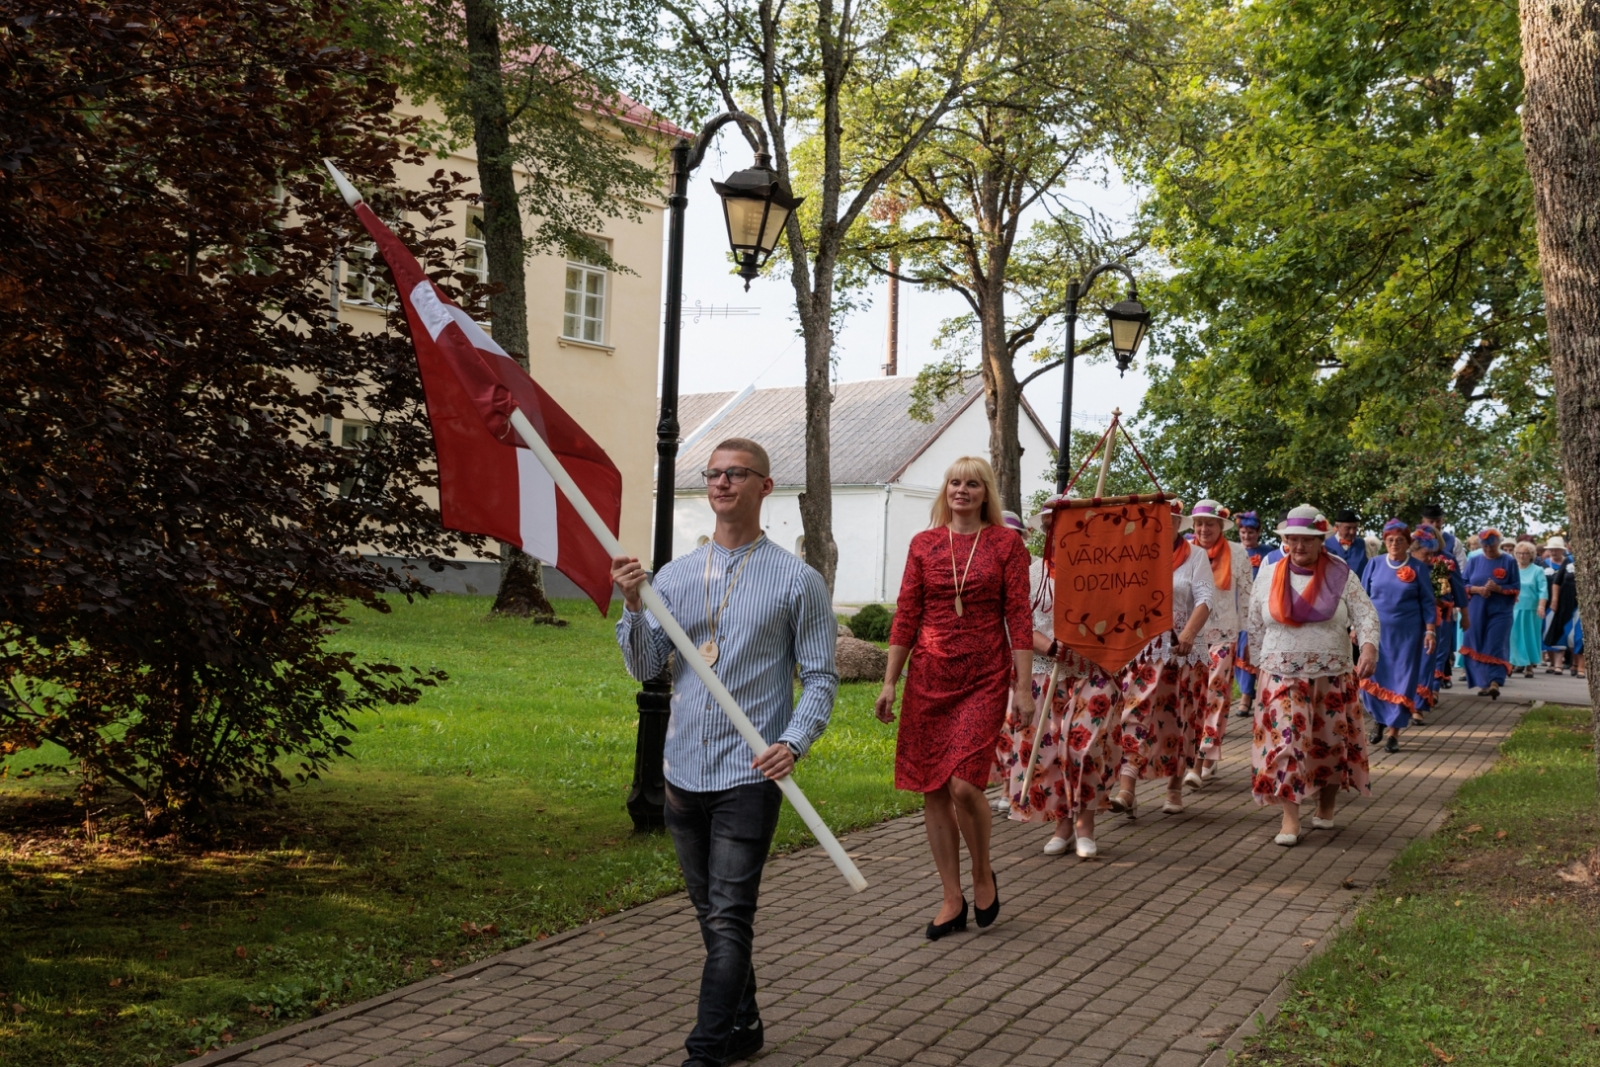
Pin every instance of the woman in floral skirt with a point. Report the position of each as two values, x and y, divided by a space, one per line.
1308 724
1077 753
1164 688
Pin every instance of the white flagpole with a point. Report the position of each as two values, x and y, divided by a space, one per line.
687 652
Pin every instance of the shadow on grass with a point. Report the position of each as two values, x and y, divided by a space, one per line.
487 815
1484 947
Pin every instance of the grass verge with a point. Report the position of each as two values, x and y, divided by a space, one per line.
1484 947
487 815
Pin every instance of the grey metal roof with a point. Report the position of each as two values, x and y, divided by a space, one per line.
873 436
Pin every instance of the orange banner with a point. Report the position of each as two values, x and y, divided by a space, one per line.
1113 566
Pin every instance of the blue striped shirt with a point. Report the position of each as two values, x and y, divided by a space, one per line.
779 616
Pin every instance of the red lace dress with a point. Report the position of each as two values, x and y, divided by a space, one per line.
954 703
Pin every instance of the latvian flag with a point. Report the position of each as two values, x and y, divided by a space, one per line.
489 482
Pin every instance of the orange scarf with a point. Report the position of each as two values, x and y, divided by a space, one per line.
1221 564
1180 553
1282 594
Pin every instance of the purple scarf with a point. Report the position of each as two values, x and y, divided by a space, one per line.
1326 589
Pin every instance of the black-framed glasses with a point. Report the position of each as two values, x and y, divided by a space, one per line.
735 475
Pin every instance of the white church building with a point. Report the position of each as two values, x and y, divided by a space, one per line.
887 468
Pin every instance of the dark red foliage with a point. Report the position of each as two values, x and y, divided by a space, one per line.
176 550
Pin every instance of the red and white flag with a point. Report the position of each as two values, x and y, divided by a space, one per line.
489 482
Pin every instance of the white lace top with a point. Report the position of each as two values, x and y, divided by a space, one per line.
1228 606
1191 587
1044 622
1314 650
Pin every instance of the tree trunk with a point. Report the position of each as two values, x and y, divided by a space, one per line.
1001 397
1560 127
816 503
521 578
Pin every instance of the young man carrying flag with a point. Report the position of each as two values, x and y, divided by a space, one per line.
757 614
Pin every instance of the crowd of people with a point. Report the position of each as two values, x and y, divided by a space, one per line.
1312 631
1335 642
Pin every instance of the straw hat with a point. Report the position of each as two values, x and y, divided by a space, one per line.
1557 541
1207 509
1303 521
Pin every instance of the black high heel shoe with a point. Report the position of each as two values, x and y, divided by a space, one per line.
986 916
955 926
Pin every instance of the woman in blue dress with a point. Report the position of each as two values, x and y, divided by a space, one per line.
1449 599
1407 638
1244 672
1493 585
1527 621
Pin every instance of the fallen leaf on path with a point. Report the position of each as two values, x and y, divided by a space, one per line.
436 964
1475 828
115 983
1307 944
1444 1057
1499 835
242 952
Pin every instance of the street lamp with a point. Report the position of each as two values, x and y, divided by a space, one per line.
756 203
1128 320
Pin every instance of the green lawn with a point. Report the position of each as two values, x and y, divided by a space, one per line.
486 815
1477 952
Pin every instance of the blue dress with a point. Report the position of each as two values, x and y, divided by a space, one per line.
1449 596
1246 679
1355 555
1527 628
1405 609
1486 646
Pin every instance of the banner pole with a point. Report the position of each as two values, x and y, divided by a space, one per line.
1038 725
1105 458
687 652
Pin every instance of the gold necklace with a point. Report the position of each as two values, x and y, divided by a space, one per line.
961 582
709 651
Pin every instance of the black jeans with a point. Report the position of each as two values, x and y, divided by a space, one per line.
722 839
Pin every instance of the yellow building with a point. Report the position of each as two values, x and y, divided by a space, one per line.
593 338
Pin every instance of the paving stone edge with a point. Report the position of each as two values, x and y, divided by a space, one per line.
1267 1010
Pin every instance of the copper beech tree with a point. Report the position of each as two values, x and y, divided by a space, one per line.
181 532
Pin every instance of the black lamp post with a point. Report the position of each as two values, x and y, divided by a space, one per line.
1128 321
756 203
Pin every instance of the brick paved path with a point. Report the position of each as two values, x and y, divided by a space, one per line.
1156 953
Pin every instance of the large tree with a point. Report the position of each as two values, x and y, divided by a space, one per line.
535 87
1559 126
1355 316
990 218
181 535
794 65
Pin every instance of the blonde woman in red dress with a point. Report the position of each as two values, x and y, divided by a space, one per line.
964 611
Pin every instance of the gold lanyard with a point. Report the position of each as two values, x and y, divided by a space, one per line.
961 582
709 650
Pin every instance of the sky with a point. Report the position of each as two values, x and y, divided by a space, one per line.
760 343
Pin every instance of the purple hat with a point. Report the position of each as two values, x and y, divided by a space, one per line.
1491 534
1425 537
1012 520
1397 526
1249 519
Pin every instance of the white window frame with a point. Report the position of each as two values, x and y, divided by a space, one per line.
362 284
475 249
364 431
577 323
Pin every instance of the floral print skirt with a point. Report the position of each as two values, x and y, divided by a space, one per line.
1163 706
1307 736
1219 698
1078 751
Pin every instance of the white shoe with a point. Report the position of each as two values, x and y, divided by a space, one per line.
1056 846
1193 780
1172 807
1087 849
1319 823
1287 840
1002 805
1207 771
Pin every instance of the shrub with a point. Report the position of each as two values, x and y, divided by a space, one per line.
178 532
872 623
